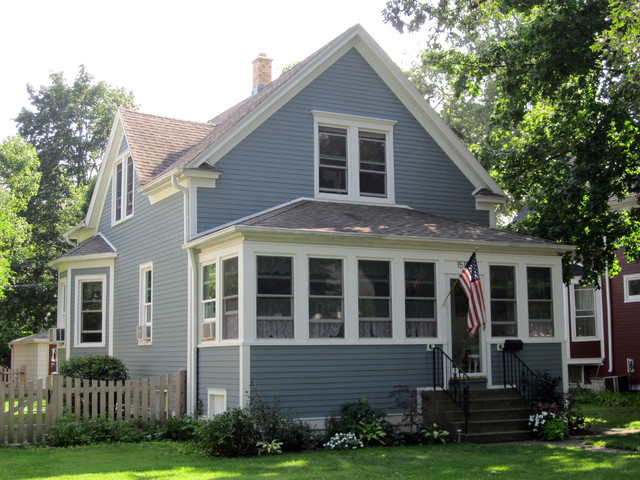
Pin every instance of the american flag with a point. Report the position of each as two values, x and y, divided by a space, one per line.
470 283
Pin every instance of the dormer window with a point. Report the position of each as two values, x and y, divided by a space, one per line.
123 189
354 157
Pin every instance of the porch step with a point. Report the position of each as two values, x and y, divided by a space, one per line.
496 415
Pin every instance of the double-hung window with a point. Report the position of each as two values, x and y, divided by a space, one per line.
326 298
420 299
123 189
275 297
502 280
584 312
90 300
540 301
230 300
208 302
146 303
374 298
354 157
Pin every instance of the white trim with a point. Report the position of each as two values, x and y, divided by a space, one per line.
353 125
123 159
217 392
626 279
145 323
597 313
80 279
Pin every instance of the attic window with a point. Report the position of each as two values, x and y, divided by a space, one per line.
354 157
123 189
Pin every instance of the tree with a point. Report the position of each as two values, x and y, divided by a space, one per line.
565 121
69 126
19 179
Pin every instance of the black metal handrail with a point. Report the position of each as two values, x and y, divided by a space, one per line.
448 376
531 386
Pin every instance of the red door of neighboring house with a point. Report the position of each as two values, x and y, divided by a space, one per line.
53 358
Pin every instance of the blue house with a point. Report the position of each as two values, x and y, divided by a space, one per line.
304 244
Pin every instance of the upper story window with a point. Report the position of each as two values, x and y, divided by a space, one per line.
502 281
354 157
123 189
584 313
632 288
539 294
275 297
420 299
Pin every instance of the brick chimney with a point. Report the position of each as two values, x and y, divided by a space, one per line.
261 72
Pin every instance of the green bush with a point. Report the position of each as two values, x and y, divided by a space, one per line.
69 432
607 398
177 429
94 367
363 420
229 434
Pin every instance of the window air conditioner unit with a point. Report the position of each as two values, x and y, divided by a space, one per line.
208 331
56 335
144 333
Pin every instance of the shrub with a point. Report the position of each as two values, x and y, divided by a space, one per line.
344 441
271 425
229 434
363 420
70 432
432 434
94 367
177 429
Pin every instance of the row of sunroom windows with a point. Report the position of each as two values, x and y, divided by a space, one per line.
326 299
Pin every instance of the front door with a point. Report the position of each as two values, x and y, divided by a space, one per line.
465 347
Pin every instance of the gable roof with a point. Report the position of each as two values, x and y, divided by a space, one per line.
158 143
381 221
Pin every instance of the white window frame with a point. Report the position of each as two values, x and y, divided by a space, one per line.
214 394
144 306
353 125
433 299
202 302
341 316
627 297
388 299
122 162
224 299
63 307
80 279
505 300
551 301
597 316
290 296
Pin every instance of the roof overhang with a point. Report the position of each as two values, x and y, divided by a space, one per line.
105 257
163 187
321 237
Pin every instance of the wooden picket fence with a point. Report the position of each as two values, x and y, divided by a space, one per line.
30 410
13 376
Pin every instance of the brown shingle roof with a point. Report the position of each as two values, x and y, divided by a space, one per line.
157 162
337 217
157 142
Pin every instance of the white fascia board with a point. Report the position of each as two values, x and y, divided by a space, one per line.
282 235
278 99
104 174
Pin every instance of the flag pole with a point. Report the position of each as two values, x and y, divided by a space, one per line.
457 280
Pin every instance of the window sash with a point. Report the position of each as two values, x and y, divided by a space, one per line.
584 311
274 301
147 296
540 302
208 298
230 299
91 311
504 308
123 189
374 298
420 301
326 302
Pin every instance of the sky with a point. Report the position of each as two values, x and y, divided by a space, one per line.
186 59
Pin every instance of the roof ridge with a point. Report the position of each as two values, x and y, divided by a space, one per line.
164 117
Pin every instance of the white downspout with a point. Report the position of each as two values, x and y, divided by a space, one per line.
609 331
191 341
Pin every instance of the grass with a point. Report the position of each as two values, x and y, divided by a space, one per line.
610 416
623 441
167 461
16 415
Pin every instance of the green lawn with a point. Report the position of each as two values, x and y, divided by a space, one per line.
611 417
452 461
